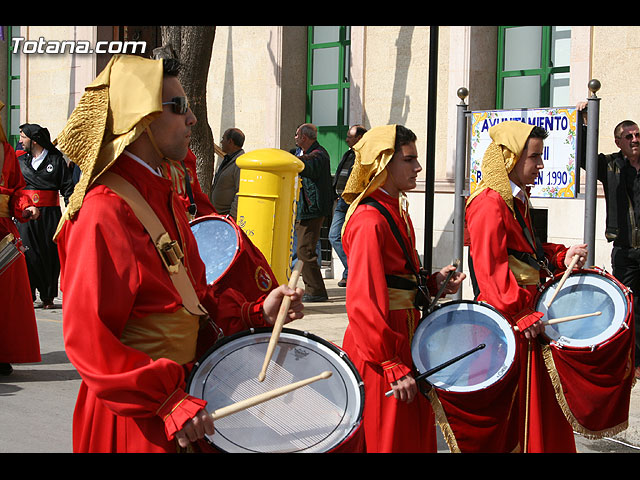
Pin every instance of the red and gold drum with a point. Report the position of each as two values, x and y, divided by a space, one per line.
591 359
230 258
472 398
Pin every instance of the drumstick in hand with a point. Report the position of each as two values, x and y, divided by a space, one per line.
263 397
277 326
567 272
566 319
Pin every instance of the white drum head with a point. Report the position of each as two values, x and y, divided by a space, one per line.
584 292
218 245
314 418
456 328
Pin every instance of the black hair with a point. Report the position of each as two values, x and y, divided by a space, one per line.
403 136
171 67
538 132
235 135
621 126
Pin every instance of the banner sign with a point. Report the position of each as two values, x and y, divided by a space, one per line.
558 179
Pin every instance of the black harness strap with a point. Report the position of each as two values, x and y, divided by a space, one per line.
423 298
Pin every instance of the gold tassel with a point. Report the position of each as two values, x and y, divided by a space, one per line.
443 423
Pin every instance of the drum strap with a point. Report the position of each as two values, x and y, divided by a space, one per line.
423 299
168 249
538 261
193 208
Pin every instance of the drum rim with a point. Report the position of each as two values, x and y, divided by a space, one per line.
234 226
565 342
341 354
511 341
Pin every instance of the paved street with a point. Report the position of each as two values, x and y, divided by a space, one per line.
37 400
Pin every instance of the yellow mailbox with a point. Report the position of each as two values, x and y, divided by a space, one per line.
267 197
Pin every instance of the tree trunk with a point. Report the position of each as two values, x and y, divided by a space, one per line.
193 46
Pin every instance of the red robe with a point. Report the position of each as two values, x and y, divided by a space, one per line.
493 229
111 272
377 339
18 330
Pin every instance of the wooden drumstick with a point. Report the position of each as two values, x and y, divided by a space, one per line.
567 272
566 319
263 397
277 326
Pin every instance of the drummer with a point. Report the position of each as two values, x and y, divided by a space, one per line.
382 316
130 331
508 266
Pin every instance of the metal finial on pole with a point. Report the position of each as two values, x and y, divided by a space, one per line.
462 93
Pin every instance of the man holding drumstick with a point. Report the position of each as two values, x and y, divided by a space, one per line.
508 264
137 307
381 291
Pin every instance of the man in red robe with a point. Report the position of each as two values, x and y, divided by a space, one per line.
130 328
508 267
18 330
382 318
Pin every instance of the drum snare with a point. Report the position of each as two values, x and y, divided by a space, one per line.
321 417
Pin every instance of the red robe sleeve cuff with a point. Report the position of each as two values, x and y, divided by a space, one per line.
177 410
253 314
526 318
394 370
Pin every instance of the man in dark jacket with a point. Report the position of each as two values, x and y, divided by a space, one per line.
47 176
314 205
619 174
343 171
224 190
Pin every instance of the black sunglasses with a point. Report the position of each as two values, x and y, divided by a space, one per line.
180 105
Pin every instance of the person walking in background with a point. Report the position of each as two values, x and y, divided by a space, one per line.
314 205
340 210
47 176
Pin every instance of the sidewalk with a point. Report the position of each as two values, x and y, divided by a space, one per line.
328 320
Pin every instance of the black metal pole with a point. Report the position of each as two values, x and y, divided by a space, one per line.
429 188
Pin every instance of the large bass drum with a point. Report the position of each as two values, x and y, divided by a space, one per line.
591 360
321 417
472 398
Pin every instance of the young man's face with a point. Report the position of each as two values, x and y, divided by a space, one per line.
171 130
529 164
403 169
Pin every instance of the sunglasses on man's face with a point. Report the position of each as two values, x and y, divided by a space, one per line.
180 105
